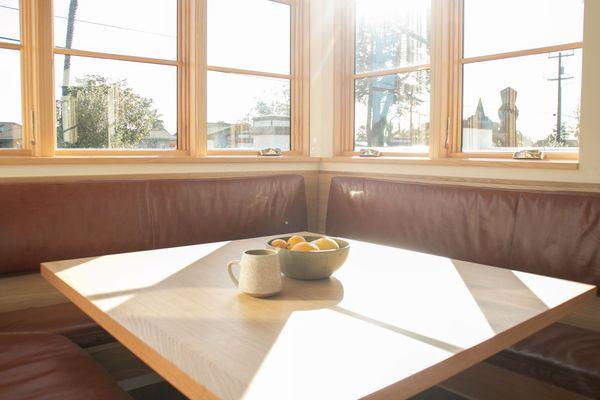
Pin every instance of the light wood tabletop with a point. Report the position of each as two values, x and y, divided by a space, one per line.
389 324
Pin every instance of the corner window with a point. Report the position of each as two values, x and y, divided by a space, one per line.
392 75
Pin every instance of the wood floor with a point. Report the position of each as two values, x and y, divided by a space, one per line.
482 382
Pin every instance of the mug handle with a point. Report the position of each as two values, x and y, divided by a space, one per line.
231 275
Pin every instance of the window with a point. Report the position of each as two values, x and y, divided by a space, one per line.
521 88
153 78
116 74
11 104
392 75
458 79
249 81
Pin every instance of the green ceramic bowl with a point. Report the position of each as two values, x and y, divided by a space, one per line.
311 265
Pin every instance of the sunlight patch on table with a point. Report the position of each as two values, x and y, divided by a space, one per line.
317 355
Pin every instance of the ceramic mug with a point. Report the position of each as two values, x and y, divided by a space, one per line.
260 274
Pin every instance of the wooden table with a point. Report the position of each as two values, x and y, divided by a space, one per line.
389 324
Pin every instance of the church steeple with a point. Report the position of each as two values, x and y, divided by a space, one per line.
480 112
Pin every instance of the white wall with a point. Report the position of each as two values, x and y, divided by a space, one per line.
322 110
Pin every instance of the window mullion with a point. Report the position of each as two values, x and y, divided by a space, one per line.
200 32
42 75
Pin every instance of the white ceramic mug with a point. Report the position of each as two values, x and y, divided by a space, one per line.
260 274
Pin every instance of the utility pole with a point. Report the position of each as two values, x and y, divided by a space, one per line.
69 104
559 79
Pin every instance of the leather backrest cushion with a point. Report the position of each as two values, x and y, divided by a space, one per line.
555 234
456 222
57 221
558 234
210 211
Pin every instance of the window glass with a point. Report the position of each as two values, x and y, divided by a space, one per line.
531 101
9 21
392 34
11 119
146 28
110 104
392 111
493 26
248 112
258 43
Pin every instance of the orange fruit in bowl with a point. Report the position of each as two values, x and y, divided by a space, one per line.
305 246
326 243
294 240
282 244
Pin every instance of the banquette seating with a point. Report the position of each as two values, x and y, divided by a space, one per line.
56 221
553 234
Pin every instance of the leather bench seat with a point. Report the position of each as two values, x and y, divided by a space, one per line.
62 319
50 367
565 355
548 233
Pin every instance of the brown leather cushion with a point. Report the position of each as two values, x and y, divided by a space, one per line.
58 221
556 234
564 355
50 367
64 319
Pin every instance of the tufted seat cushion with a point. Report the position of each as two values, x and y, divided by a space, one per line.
50 367
565 355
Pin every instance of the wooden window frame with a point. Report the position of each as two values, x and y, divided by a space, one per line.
446 91
38 97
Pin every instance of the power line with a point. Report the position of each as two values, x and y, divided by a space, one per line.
10 39
83 21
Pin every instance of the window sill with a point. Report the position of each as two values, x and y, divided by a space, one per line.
471 162
154 159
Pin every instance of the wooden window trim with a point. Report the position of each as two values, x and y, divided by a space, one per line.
446 94
37 71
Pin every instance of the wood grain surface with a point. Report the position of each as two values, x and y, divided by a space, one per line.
389 324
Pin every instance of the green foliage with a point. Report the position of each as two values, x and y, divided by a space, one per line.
107 114
275 106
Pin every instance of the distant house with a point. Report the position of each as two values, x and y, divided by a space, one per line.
271 131
159 138
11 136
223 135
265 131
